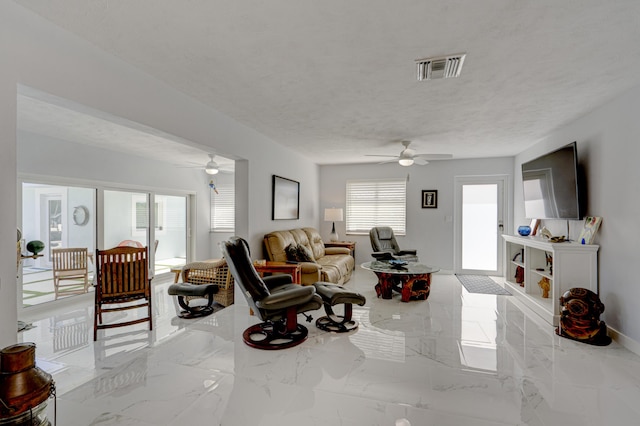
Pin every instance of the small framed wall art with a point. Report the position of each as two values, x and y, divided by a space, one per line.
430 199
285 199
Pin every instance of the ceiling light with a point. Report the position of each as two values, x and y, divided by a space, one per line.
211 168
440 67
405 161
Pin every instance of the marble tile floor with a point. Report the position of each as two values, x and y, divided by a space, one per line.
454 359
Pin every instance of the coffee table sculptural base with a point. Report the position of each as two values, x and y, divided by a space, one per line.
412 281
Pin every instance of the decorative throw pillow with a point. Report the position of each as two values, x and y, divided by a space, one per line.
304 254
292 252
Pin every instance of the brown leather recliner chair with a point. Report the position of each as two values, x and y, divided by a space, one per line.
275 300
385 246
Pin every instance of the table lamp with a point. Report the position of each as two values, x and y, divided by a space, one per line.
333 215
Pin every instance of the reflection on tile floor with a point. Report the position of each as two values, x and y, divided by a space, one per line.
455 359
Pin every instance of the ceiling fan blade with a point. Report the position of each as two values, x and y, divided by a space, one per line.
420 161
388 161
380 155
434 156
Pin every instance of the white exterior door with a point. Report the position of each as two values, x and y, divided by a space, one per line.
479 224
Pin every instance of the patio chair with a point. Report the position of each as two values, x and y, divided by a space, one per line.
70 271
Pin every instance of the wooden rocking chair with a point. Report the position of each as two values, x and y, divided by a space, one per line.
122 280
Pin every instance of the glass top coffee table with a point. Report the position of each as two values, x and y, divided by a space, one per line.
411 279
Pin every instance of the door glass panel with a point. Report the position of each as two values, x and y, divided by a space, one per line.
54 224
479 227
60 217
170 232
126 218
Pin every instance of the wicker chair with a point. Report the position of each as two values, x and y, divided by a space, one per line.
216 272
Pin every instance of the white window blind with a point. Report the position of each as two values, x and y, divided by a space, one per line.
376 203
223 208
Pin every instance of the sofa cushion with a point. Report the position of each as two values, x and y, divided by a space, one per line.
304 254
298 253
314 240
336 268
276 243
292 252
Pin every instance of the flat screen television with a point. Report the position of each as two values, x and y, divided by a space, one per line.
550 185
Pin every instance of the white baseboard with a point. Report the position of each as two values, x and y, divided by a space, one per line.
625 341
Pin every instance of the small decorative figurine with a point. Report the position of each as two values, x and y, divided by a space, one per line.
545 286
580 317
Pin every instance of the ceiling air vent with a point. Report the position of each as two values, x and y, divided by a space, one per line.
441 67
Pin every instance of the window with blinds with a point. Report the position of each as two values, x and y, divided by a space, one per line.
376 203
223 208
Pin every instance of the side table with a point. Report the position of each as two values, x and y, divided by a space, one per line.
294 269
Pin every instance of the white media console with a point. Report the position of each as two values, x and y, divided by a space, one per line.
574 265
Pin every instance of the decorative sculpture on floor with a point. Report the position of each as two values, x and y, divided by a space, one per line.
580 317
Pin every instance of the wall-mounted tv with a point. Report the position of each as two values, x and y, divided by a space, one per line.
550 185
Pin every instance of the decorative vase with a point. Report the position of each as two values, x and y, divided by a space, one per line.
35 246
524 230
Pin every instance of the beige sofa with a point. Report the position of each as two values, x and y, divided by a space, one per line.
331 264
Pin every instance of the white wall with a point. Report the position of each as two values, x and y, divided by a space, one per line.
428 229
608 151
37 54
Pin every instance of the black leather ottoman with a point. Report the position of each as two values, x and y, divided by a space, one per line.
333 294
183 290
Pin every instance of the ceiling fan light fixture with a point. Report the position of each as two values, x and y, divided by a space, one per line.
405 161
211 168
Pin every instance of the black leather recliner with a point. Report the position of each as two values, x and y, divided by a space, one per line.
385 246
275 300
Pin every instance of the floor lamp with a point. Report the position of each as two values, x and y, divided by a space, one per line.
333 215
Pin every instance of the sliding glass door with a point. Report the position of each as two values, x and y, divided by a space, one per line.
60 217
163 228
76 217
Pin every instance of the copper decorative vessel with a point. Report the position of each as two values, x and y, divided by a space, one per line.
24 388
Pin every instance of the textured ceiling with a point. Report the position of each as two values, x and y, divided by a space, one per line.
335 79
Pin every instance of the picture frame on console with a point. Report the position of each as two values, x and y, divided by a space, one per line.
535 224
430 199
285 199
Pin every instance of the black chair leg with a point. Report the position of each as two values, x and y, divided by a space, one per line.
337 323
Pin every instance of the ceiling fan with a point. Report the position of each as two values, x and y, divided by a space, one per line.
211 168
409 157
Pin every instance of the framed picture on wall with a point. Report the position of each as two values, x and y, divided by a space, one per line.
285 200
430 199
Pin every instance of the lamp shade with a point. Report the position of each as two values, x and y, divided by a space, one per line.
333 215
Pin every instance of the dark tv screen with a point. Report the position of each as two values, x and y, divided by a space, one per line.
550 185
